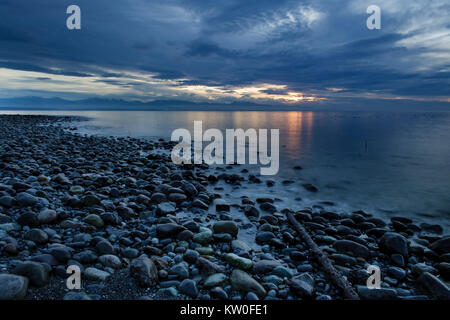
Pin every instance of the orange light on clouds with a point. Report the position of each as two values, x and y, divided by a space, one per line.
147 87
259 92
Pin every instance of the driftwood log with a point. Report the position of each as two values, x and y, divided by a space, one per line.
323 260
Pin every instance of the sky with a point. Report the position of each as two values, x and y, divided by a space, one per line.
258 51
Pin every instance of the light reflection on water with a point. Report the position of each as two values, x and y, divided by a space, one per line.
385 163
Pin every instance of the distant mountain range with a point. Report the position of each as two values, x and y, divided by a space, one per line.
99 104
39 103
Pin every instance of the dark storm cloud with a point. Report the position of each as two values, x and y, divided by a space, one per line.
207 48
163 73
309 46
36 68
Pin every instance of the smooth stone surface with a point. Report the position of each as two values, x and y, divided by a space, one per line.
301 288
144 271
189 288
36 235
168 230
109 260
352 247
13 287
239 262
265 266
94 220
34 271
242 281
229 227
434 285
441 246
420 268
180 270
47 216
214 280
392 242
376 294
74 295
25 199
96 274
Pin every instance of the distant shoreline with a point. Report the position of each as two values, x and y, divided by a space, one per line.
223 109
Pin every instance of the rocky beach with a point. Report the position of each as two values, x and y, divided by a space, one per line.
140 227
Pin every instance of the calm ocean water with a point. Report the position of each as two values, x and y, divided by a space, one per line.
383 163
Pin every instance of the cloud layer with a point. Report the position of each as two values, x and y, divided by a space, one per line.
232 50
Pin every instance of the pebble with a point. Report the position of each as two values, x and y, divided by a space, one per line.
25 199
265 266
47 216
242 281
36 235
392 242
94 220
435 286
179 270
75 295
168 230
104 247
239 262
36 272
218 293
96 274
301 288
229 227
441 246
376 294
109 260
144 271
189 288
13 287
352 247
214 280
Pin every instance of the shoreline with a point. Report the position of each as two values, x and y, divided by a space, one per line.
99 203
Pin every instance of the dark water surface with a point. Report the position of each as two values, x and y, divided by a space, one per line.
384 163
